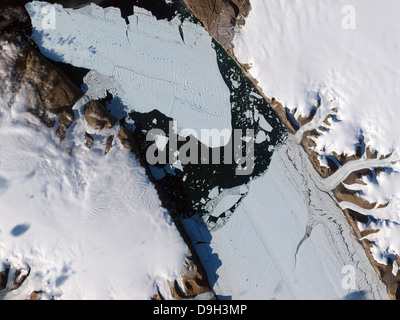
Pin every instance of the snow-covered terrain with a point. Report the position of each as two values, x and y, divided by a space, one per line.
301 51
148 61
345 56
86 225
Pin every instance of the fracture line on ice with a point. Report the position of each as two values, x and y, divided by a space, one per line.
275 263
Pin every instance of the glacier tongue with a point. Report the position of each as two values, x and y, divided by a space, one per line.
147 58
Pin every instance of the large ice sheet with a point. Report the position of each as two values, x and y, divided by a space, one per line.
155 67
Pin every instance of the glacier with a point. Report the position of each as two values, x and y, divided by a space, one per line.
147 60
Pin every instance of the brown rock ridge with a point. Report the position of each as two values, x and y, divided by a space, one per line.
50 94
56 92
344 194
109 143
3 278
220 17
89 140
66 119
36 295
194 283
20 275
97 115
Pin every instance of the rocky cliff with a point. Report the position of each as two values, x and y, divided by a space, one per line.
220 17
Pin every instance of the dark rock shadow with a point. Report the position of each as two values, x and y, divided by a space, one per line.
290 117
360 146
201 237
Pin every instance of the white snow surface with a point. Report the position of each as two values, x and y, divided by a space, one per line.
147 59
299 50
88 226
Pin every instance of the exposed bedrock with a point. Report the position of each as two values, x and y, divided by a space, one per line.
49 92
97 116
220 17
65 121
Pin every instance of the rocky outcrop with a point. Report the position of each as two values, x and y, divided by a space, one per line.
21 274
54 89
194 283
50 91
97 115
47 90
89 140
109 142
126 139
4 278
66 120
36 295
220 17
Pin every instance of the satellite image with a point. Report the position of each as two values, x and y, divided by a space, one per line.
202 150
